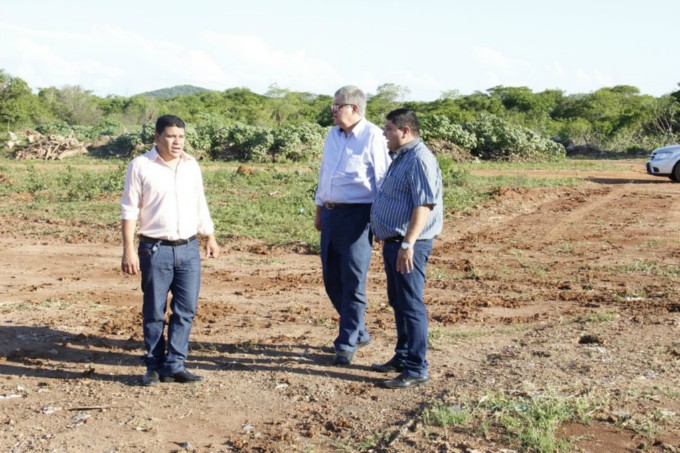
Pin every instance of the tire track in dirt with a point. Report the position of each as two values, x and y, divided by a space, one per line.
586 208
529 247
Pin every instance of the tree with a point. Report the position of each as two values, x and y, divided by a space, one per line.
72 104
19 107
450 94
389 97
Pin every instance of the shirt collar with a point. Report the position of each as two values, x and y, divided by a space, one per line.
153 155
405 147
357 129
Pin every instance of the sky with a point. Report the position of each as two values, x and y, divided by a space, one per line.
429 47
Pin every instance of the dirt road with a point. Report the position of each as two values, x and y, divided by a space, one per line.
514 290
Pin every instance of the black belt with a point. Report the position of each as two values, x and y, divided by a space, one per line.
340 205
164 242
394 239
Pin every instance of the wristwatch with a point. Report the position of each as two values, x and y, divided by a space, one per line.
406 246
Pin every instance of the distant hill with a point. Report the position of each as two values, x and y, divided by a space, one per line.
179 90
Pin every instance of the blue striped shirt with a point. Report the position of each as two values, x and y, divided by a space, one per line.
413 179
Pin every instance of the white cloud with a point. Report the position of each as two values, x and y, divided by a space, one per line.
497 61
258 64
558 69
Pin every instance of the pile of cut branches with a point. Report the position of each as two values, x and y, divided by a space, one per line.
47 147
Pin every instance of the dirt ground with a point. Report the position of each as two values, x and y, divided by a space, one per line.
564 290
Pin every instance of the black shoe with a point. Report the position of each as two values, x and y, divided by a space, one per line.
404 381
151 378
363 344
182 377
389 367
343 358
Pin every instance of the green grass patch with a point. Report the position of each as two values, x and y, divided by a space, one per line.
529 422
598 317
275 204
648 267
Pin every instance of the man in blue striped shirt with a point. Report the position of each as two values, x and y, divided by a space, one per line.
406 216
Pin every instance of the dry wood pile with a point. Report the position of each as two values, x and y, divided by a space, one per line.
46 147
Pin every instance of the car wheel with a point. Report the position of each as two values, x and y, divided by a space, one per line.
675 176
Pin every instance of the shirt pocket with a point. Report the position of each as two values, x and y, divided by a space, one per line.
355 165
394 186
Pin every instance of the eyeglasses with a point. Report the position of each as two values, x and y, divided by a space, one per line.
336 107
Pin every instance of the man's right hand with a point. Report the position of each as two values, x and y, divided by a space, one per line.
317 217
130 263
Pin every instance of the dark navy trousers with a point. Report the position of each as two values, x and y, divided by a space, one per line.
405 295
345 257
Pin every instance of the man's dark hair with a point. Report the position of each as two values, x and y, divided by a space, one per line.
405 117
168 121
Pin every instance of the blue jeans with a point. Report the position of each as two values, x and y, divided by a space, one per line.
345 257
165 269
405 295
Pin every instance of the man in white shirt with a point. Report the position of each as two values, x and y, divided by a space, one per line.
164 191
355 159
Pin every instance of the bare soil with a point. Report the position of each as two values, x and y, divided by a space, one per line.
564 290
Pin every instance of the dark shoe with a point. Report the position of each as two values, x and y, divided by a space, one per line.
182 377
363 344
151 378
343 358
389 367
404 381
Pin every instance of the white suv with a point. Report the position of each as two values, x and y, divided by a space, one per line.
665 162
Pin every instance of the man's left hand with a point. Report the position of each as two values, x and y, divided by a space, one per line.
405 261
212 250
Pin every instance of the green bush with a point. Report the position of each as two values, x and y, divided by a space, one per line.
439 127
249 143
126 144
59 128
298 142
107 127
499 140
211 133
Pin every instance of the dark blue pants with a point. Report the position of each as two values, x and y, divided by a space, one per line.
405 295
165 269
345 258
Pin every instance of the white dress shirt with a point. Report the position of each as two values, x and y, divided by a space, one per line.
169 202
353 165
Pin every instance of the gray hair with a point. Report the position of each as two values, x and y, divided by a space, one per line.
353 95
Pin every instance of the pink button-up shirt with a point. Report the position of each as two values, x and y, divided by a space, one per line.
169 202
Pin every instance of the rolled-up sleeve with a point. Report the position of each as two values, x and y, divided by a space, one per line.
131 201
206 226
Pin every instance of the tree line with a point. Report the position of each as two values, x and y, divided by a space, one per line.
499 123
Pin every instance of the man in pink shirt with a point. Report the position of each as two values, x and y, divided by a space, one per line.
164 192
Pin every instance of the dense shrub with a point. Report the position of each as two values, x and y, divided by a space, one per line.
439 127
59 128
107 127
498 140
299 142
248 143
126 144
